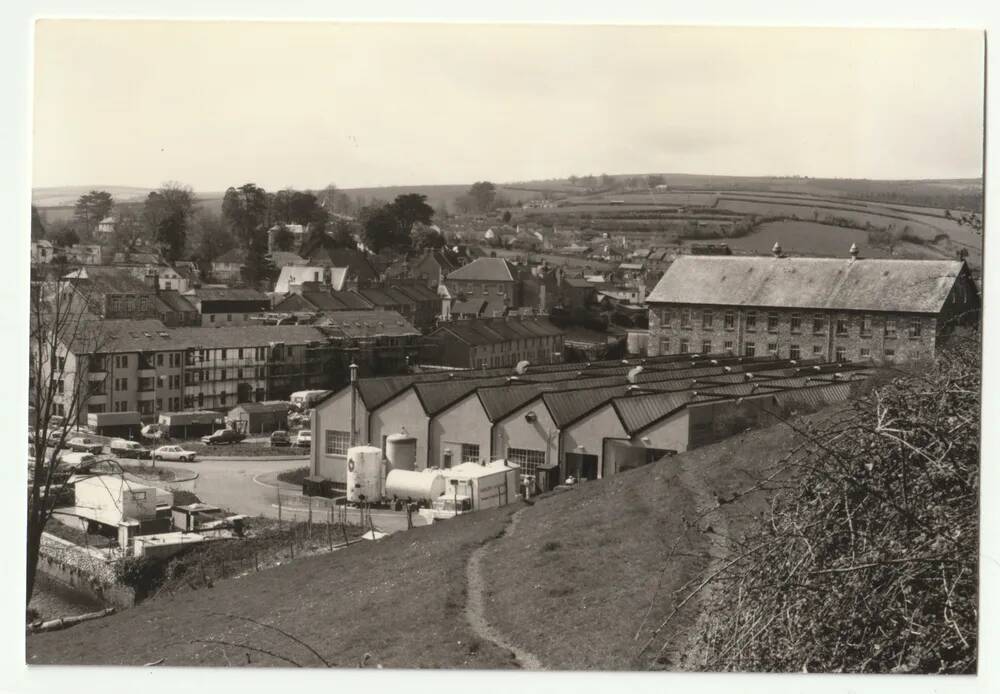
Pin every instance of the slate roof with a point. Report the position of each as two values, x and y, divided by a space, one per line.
484 270
910 286
102 279
233 255
357 324
227 294
172 300
266 406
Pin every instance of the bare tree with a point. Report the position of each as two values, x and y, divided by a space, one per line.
66 348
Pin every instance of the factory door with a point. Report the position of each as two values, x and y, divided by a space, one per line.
582 466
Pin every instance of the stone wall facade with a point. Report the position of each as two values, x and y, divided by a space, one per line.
791 333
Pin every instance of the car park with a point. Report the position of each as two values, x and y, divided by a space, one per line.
222 437
280 438
123 448
304 438
83 444
173 453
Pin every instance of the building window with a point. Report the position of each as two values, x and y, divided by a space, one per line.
916 329
819 324
528 459
706 320
772 322
211 318
729 321
728 346
795 323
337 442
684 347
668 315
841 325
706 346
794 352
159 359
866 353
772 349
750 349
890 327
841 354
665 346
890 354
685 318
817 351
229 317
470 453
751 321
866 325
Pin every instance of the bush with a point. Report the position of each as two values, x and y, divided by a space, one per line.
296 476
867 560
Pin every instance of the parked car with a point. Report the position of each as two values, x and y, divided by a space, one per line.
123 448
82 444
280 438
223 436
73 460
173 453
304 438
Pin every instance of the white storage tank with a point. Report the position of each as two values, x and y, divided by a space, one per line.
415 486
401 451
364 474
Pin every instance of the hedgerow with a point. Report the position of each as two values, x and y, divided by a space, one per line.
867 559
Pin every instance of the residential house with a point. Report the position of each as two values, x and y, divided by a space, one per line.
492 279
228 267
227 305
42 251
492 343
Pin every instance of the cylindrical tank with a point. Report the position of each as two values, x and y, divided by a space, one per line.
364 474
407 484
401 451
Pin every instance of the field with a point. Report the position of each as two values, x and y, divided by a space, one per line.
811 238
399 600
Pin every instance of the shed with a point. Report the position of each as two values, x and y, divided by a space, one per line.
124 425
261 417
189 425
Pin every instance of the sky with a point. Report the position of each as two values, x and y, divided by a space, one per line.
215 104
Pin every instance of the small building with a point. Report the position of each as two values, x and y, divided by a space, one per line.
123 425
227 306
190 425
492 343
228 267
486 278
260 417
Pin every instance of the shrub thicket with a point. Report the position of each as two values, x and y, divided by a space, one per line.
867 559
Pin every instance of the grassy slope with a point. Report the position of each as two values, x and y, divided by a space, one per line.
573 584
401 599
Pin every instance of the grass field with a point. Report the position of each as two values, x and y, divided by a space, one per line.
400 599
590 568
811 238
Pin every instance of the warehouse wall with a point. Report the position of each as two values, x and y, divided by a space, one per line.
514 431
403 411
463 422
590 433
335 414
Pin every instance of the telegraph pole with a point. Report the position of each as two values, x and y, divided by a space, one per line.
354 402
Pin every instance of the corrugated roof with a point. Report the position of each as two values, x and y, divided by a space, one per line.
916 286
438 395
638 411
567 406
484 270
267 406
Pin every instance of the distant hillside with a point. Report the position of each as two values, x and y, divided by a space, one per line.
67 195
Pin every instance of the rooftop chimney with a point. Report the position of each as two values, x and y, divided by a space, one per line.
854 251
776 250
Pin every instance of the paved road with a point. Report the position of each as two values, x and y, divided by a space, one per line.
246 486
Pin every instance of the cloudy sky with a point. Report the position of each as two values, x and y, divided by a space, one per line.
306 104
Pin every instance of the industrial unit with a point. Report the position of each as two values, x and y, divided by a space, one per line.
581 421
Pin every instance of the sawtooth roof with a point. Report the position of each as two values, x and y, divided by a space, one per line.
869 284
